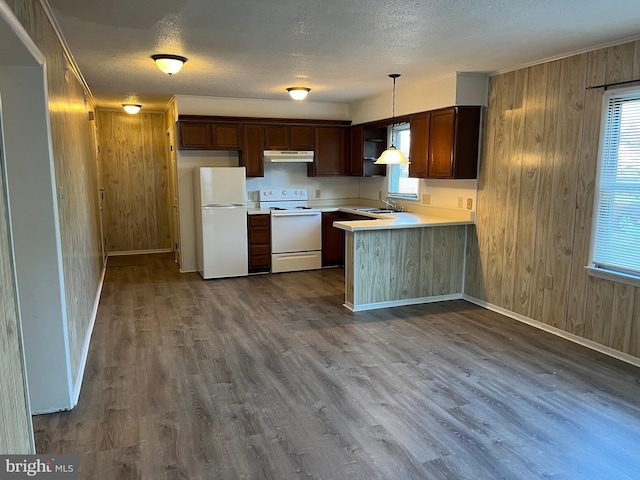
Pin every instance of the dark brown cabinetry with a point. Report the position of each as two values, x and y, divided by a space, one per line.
195 136
227 136
333 238
331 147
444 143
252 154
367 144
286 137
259 235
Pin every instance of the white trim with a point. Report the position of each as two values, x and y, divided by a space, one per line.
12 21
399 303
87 340
556 331
613 276
139 252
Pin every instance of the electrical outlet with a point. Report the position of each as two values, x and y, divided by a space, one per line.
426 199
318 193
459 202
548 282
469 203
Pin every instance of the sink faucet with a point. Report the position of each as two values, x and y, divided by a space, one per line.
390 204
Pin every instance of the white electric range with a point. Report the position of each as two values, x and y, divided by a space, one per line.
296 229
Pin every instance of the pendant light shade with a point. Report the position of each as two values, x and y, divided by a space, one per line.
131 108
392 156
169 64
298 93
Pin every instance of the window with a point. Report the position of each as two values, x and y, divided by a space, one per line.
400 184
615 252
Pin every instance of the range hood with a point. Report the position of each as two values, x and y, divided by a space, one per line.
290 156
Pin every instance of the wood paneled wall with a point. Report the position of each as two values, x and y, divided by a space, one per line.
74 158
403 264
134 169
15 432
535 203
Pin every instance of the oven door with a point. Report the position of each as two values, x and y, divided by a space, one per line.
296 241
296 231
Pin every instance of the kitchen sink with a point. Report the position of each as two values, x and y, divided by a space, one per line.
373 210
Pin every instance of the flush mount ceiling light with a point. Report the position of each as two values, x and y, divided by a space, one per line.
131 108
298 93
392 155
169 64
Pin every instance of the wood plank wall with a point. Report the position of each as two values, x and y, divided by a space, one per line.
134 167
74 157
15 432
535 202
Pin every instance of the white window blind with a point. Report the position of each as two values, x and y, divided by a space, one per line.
400 184
616 241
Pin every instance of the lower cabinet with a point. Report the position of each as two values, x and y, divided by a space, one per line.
333 238
259 235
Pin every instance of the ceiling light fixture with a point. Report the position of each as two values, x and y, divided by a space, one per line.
169 64
131 108
392 155
298 93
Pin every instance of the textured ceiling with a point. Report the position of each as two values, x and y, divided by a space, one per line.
341 49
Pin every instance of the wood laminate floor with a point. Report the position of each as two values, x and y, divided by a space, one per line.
269 377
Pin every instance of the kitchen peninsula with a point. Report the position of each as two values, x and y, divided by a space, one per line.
403 258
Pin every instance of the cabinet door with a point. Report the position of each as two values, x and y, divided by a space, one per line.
330 152
227 136
419 147
277 137
195 136
356 159
441 135
252 156
332 239
302 138
259 241
466 138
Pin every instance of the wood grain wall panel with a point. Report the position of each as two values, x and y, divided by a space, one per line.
458 235
530 173
379 271
586 178
563 190
514 169
134 159
443 249
623 303
544 191
558 160
426 261
15 431
349 264
74 158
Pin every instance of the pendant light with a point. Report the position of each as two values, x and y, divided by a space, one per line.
169 64
392 156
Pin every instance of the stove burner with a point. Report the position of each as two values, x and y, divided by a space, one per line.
276 208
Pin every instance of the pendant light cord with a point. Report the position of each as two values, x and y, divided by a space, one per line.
393 100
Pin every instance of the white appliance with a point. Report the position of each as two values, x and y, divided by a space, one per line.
296 230
288 156
221 221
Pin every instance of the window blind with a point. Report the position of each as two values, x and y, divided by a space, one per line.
617 232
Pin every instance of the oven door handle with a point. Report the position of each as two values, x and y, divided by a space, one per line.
294 214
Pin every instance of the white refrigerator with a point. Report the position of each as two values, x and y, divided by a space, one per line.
221 221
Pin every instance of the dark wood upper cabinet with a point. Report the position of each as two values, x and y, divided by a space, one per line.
252 154
367 144
331 149
196 136
277 137
227 136
356 158
302 138
419 146
444 143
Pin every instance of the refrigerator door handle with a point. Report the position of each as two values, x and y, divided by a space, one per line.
223 205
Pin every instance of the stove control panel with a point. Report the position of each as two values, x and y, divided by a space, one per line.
278 194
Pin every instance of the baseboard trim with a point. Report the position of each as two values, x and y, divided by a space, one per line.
399 303
139 252
556 331
87 340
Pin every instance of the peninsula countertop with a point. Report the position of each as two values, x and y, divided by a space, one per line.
398 220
